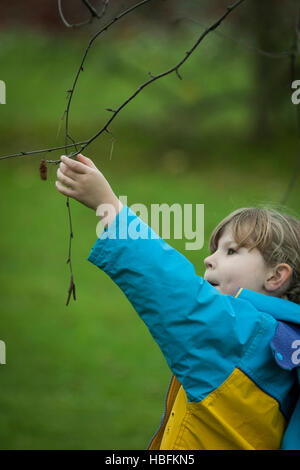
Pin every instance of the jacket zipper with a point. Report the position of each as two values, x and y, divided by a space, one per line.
165 414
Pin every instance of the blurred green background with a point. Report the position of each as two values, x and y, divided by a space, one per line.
89 376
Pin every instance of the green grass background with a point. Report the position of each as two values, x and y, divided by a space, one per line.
89 376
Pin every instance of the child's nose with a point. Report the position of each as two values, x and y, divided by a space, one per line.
209 262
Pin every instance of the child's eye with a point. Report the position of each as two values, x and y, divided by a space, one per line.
231 251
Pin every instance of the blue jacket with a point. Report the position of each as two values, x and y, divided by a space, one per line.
236 358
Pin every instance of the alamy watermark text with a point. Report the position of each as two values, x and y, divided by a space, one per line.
296 94
178 221
2 92
2 352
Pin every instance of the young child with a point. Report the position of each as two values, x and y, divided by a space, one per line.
231 338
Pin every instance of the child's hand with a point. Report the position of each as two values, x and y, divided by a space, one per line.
85 183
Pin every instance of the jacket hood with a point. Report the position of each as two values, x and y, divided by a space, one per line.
283 344
280 309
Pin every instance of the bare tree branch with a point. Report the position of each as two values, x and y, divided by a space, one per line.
156 77
83 145
152 79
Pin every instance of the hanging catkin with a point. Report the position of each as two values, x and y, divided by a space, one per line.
43 169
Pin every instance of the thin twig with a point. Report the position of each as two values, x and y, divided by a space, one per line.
271 55
48 150
93 14
66 23
69 260
91 9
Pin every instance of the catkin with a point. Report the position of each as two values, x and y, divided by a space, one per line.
43 169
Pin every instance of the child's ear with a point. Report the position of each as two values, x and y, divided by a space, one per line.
278 276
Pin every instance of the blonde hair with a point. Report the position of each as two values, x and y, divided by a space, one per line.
274 234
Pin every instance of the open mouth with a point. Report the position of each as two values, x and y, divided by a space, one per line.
214 284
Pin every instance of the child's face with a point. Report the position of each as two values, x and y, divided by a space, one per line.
229 268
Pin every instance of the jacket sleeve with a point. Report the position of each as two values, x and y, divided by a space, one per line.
201 333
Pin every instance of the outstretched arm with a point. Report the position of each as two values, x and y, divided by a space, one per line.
200 332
